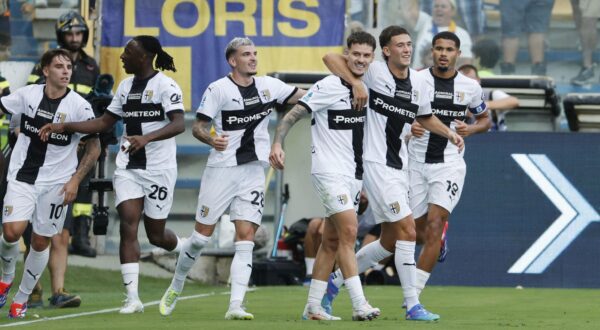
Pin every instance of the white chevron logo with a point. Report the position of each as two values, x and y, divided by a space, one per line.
576 214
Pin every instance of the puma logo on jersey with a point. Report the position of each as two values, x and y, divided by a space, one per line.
237 101
126 284
344 100
389 88
6 259
158 206
249 265
190 256
35 276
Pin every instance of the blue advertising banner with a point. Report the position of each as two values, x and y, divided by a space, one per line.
529 213
291 35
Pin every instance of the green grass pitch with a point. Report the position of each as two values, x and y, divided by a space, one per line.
281 307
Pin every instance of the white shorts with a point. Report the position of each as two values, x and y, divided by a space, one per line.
440 184
40 205
387 190
337 192
156 186
240 188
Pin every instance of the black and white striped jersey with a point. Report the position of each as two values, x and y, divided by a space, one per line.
393 106
337 130
143 104
242 113
450 99
34 161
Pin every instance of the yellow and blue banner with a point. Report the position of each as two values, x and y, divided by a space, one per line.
290 35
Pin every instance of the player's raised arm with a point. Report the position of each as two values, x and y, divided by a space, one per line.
433 124
297 95
277 156
337 64
100 124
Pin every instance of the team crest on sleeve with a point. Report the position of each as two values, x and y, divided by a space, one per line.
8 209
204 211
395 207
148 95
342 199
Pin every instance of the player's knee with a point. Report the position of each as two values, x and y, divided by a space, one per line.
329 244
39 243
11 235
155 239
348 235
434 229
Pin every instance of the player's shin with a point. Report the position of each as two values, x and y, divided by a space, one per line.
8 253
190 250
241 269
406 267
34 267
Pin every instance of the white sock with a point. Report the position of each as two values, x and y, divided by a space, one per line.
369 255
179 245
190 250
310 263
34 267
406 267
422 277
241 269
9 253
338 278
131 273
355 291
316 292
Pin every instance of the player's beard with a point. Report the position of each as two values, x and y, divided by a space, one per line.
443 68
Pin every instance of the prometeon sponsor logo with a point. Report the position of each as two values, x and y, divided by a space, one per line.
392 108
449 113
143 113
348 120
246 119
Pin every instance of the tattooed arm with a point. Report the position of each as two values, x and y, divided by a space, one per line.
277 156
90 156
201 131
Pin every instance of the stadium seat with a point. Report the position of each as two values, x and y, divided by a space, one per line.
583 111
539 104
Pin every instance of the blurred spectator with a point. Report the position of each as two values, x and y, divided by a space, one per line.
531 17
486 53
5 38
404 13
426 58
586 14
361 11
471 14
64 3
443 20
496 100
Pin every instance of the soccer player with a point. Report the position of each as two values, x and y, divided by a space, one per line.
239 106
337 171
151 106
437 169
397 97
43 175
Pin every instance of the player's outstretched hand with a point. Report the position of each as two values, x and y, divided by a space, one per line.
136 142
48 129
462 128
70 190
277 156
220 142
458 141
360 97
416 129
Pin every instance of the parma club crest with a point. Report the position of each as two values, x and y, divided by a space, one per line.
395 207
204 211
342 199
8 209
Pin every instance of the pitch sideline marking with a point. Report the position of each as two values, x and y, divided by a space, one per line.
108 310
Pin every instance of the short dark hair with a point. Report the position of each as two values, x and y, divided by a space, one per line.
488 52
52 53
448 36
469 67
388 33
361 37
